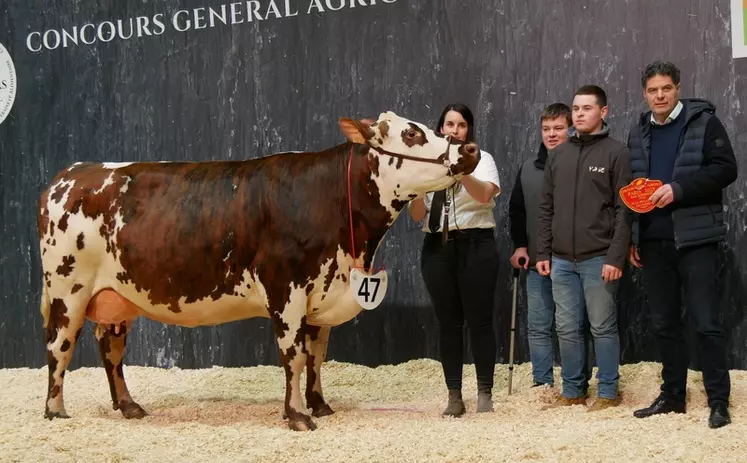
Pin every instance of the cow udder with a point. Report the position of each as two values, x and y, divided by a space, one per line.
108 307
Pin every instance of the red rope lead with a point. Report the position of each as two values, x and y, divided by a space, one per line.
350 204
350 215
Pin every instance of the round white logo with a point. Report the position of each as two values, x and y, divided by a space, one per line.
7 83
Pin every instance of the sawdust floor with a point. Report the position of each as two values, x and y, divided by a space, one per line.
386 414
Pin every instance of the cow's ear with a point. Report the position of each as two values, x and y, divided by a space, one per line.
356 131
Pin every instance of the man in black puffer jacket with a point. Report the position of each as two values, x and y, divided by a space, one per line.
683 144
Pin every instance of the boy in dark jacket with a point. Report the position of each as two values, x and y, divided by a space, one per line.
584 228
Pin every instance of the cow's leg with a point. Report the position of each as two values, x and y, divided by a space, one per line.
318 338
290 327
64 317
112 340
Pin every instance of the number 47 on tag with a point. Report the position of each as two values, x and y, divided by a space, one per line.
368 290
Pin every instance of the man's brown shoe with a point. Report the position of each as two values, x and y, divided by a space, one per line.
601 403
565 402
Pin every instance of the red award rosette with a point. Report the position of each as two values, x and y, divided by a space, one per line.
636 194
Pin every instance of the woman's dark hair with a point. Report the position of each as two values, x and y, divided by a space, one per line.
466 114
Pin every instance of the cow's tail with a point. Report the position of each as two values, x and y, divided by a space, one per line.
45 305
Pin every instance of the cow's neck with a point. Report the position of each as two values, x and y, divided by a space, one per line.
376 203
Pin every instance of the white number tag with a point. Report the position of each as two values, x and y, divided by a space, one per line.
368 290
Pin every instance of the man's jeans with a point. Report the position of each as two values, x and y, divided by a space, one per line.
666 271
572 285
540 313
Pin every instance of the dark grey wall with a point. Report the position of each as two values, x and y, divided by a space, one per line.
247 90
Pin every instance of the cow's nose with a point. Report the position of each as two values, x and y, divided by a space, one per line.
472 150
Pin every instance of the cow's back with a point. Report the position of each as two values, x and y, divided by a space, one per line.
214 236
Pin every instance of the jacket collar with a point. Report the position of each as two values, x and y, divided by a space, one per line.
539 163
671 117
586 138
691 107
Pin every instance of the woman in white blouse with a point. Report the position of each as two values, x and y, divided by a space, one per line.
461 274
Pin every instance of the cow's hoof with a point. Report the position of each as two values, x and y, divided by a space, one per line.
301 422
132 410
322 410
50 415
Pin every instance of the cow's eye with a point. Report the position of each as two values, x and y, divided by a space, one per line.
411 134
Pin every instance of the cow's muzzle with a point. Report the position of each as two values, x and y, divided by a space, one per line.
469 157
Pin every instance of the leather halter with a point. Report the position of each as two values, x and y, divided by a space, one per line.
443 159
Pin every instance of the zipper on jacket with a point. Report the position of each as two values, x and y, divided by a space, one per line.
575 195
646 147
680 143
683 131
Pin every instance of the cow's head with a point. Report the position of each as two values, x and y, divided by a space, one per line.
430 160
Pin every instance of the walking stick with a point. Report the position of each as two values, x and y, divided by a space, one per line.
513 325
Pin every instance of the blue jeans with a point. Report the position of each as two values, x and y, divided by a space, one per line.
540 313
572 285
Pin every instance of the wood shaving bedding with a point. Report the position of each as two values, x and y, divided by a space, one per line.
384 414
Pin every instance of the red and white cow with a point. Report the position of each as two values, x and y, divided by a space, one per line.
203 243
